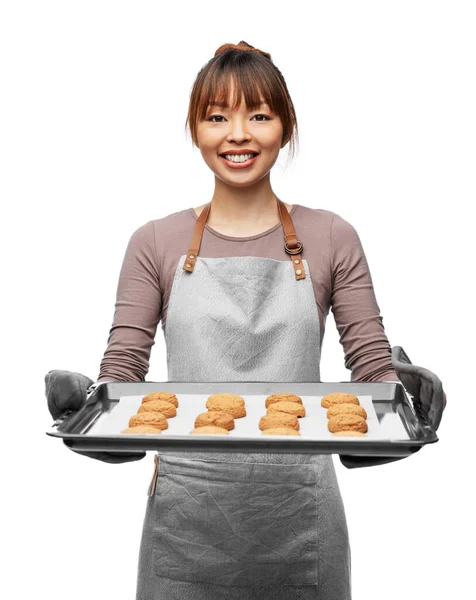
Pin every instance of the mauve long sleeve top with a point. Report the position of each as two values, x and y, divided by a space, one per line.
339 271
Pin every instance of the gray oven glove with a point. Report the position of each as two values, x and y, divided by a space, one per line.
427 392
67 390
425 387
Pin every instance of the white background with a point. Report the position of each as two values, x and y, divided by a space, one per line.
94 97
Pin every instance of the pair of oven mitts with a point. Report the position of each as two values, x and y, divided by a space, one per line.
67 390
428 397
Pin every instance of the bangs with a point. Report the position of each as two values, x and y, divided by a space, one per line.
218 85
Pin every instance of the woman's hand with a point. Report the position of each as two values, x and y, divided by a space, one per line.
424 386
110 457
357 462
67 390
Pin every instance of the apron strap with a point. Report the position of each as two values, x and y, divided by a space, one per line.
191 257
291 244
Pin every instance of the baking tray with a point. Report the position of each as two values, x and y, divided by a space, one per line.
397 425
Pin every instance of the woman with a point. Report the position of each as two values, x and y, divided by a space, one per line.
238 302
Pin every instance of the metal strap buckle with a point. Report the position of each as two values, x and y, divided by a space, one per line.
296 251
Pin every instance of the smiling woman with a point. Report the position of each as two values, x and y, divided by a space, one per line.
260 82
240 116
244 301
237 524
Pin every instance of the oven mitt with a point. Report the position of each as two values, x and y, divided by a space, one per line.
425 387
67 390
427 391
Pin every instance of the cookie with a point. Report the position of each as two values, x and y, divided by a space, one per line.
282 398
142 429
292 408
230 403
349 432
209 429
172 398
162 406
347 422
156 419
280 431
279 419
340 409
217 418
339 398
228 397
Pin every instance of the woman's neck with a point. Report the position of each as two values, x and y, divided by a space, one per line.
243 211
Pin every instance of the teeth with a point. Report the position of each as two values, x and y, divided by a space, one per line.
238 157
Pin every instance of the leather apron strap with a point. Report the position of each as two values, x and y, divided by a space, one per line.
291 244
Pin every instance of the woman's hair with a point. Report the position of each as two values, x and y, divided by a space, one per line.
252 71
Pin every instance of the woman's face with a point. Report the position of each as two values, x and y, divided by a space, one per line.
225 131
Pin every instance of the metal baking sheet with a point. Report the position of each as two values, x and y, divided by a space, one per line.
397 426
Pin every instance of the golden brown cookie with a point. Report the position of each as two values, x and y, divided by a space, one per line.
209 429
233 397
281 431
349 432
162 406
279 419
282 398
339 398
292 408
217 418
142 429
341 409
235 405
347 422
172 398
156 419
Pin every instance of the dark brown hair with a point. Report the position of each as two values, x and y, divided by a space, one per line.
252 71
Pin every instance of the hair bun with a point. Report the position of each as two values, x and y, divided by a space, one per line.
243 47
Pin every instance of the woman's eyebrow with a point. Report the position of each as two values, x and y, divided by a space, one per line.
225 104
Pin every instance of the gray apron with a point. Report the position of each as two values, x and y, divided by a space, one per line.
242 525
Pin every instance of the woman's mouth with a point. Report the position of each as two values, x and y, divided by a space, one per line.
239 163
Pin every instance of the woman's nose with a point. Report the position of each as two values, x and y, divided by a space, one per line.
238 130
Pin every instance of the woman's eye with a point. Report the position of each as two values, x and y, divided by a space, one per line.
266 118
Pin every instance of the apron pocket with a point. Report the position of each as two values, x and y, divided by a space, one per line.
235 524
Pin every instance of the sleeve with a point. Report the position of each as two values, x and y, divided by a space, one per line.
367 351
137 311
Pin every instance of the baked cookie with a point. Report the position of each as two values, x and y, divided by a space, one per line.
230 403
172 398
280 431
279 419
217 418
292 408
341 409
162 406
232 397
209 429
349 432
282 398
156 419
339 398
142 429
347 422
